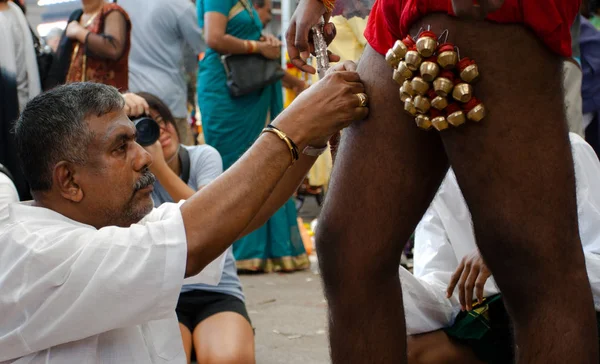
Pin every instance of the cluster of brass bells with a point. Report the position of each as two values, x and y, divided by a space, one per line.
435 86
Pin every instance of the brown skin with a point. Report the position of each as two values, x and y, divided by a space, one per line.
470 276
101 192
513 167
438 348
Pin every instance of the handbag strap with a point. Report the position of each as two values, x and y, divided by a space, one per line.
251 12
184 158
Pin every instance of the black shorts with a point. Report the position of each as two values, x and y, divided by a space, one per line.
195 306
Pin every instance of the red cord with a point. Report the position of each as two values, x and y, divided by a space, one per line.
434 113
446 47
464 63
429 34
471 104
408 41
431 94
452 108
447 74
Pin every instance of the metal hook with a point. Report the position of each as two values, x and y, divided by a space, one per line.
446 33
418 33
457 51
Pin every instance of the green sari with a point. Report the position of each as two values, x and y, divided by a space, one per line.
231 125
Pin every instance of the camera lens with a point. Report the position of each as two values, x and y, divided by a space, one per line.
148 131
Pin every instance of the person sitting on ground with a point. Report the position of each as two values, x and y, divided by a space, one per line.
213 320
89 269
469 324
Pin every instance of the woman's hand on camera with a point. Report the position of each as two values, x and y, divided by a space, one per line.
135 105
326 107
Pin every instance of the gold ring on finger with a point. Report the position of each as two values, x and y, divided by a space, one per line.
363 99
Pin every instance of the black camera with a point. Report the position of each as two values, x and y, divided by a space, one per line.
148 131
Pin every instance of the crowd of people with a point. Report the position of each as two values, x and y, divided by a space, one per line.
93 257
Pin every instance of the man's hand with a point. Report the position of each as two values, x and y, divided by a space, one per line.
135 105
326 107
469 8
298 36
471 274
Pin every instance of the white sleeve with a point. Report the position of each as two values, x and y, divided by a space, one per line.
72 282
187 22
424 293
587 173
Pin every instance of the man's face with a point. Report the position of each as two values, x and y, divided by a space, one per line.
264 13
115 181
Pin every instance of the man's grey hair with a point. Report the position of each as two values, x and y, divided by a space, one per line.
53 128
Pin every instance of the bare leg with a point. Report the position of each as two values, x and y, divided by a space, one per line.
397 169
186 337
515 170
224 338
437 348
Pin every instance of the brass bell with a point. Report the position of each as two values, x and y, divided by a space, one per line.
400 49
444 83
429 70
413 59
422 104
469 71
402 73
476 110
462 92
447 56
409 107
392 58
439 102
419 86
440 123
423 122
456 116
427 43
438 120
406 91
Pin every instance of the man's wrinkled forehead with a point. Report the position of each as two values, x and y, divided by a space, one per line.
106 127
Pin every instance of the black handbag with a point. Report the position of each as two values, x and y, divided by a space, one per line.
44 56
247 73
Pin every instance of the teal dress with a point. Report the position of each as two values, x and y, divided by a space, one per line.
231 125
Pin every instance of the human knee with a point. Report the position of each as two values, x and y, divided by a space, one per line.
227 355
420 349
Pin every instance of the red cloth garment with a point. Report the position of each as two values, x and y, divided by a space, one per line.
86 67
550 19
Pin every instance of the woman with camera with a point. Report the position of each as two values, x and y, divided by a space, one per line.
212 319
232 123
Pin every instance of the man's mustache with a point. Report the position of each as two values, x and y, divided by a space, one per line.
145 180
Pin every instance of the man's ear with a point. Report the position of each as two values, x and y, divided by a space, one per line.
64 177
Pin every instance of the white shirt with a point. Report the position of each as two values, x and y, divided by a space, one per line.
445 235
70 293
8 194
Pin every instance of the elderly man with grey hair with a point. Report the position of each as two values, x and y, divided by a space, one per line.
89 271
